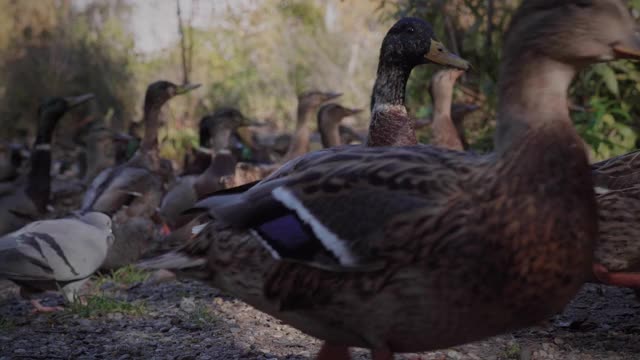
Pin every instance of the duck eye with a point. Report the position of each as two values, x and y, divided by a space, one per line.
410 30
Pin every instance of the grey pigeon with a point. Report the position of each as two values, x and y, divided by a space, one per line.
55 254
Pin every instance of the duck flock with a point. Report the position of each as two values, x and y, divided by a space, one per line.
375 241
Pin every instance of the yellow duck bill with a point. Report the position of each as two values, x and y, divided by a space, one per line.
183 89
439 54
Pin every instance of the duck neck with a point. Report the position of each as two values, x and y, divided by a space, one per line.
329 128
533 96
39 180
329 133
300 140
445 133
391 84
390 124
151 126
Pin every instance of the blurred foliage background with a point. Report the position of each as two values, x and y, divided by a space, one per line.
605 97
258 55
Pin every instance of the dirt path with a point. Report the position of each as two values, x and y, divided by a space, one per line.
190 321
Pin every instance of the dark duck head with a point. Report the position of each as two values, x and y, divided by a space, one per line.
217 128
49 114
158 93
409 43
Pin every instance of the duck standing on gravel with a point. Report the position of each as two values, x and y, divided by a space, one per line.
23 203
135 188
407 249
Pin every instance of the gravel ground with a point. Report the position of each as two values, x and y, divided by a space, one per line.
187 320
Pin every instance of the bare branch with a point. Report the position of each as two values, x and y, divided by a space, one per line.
183 45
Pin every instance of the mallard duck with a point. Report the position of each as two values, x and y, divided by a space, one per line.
390 123
216 131
218 127
28 201
415 248
330 131
308 104
55 255
444 130
617 186
135 188
329 118
288 146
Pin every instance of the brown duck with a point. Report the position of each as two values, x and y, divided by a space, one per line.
446 122
308 105
223 170
135 188
219 127
416 248
617 186
329 118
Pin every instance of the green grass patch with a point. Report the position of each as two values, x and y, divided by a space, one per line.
127 275
202 315
100 304
511 351
6 324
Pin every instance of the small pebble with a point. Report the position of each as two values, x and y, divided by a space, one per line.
84 322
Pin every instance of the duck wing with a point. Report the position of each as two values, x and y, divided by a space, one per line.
97 187
337 213
619 172
112 190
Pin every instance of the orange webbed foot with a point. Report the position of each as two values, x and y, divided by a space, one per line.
620 279
39 308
